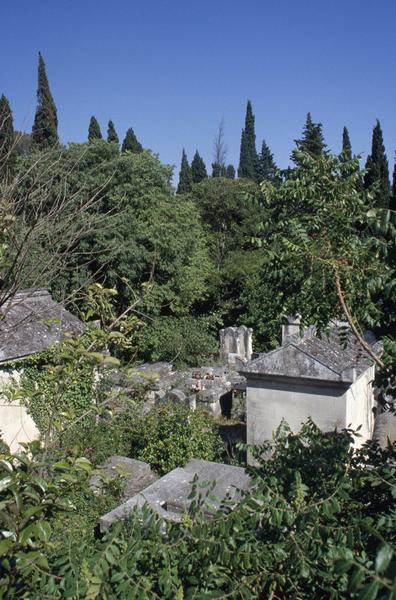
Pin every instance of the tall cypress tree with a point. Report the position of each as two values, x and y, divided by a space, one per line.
7 140
346 153
377 171
111 133
185 176
198 168
131 143
248 163
312 140
45 126
94 132
267 169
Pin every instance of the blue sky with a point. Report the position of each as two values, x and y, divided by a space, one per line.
172 69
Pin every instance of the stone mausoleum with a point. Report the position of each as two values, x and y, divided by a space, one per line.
328 378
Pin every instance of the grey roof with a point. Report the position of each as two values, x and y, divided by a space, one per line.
31 322
170 495
330 357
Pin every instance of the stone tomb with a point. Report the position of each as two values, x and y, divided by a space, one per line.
170 495
328 378
236 344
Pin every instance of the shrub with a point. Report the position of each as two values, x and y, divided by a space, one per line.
171 434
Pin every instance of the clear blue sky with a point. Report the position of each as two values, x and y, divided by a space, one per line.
172 68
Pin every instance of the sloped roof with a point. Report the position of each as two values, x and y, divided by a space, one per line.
31 322
330 357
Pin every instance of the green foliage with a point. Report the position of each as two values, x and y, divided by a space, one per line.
218 170
267 169
100 436
41 387
183 340
7 141
317 523
112 136
94 132
171 434
185 175
30 497
131 142
346 153
377 172
230 172
312 141
248 154
45 126
198 169
319 226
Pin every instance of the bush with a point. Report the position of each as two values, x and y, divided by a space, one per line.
171 434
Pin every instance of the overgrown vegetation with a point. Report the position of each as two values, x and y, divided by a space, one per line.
318 523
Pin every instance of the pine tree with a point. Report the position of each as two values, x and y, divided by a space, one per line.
198 168
248 164
267 169
346 153
185 176
94 132
7 140
377 171
111 133
312 140
131 143
230 172
45 126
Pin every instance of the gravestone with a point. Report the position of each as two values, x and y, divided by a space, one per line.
236 344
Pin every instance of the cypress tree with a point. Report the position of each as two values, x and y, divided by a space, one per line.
392 204
7 140
131 143
185 176
94 132
230 172
267 169
346 153
198 168
377 171
45 126
312 140
112 136
248 165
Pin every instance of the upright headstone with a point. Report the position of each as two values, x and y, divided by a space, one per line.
236 344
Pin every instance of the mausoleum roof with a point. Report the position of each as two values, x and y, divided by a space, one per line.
31 321
332 356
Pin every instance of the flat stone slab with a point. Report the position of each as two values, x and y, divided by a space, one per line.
169 496
137 474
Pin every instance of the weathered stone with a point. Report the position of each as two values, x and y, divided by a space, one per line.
170 495
137 474
326 378
176 395
237 341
